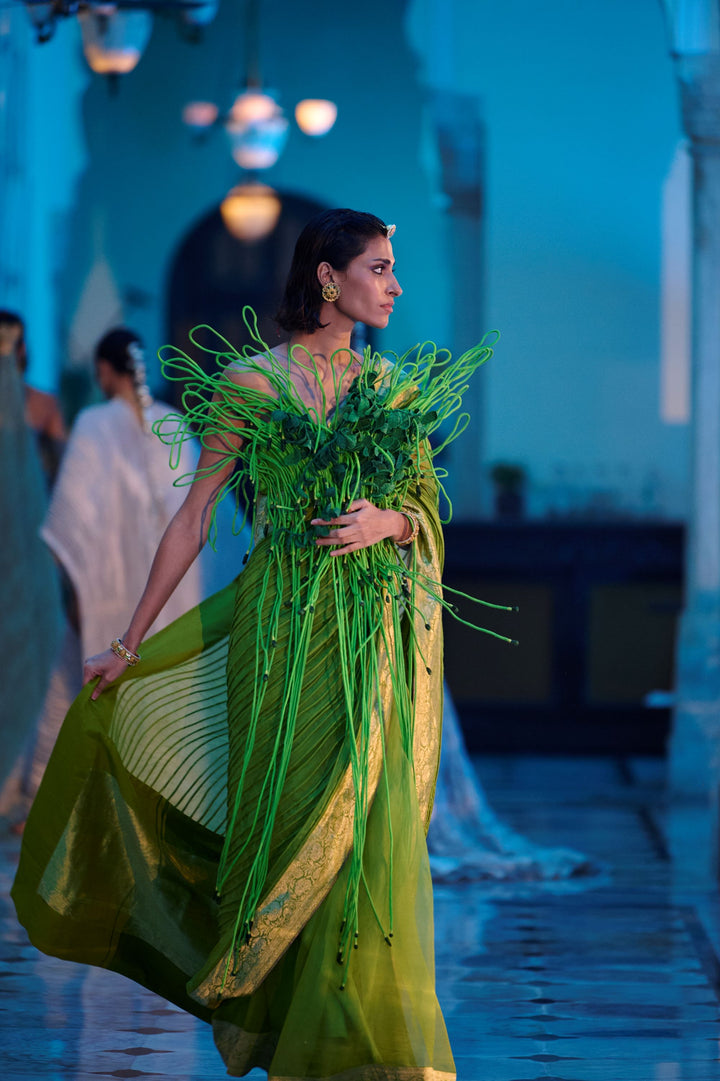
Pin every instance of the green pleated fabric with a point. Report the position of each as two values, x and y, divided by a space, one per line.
239 822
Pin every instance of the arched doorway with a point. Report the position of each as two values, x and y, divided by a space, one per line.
213 275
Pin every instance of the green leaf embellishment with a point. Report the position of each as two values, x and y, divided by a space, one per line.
374 444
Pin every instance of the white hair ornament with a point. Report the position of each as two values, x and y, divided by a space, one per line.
139 374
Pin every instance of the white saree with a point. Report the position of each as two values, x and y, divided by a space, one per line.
113 499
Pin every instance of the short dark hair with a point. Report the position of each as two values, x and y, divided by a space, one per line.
113 347
11 319
333 236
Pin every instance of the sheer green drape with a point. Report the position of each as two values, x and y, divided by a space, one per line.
121 847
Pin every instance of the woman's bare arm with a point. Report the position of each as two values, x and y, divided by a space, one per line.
181 543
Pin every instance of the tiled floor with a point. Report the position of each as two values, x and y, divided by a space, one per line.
619 981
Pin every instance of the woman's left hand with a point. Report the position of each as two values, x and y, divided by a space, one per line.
362 525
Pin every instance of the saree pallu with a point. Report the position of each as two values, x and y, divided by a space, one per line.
122 846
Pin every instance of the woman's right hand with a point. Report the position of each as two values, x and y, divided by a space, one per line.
108 666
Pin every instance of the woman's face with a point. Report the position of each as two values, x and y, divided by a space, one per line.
10 339
368 286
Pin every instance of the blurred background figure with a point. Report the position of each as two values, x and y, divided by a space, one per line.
43 414
114 496
467 841
29 592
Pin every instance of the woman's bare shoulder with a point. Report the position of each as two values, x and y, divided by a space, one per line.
251 371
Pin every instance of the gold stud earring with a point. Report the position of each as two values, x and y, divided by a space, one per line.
330 291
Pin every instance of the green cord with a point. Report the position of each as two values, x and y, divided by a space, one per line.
375 443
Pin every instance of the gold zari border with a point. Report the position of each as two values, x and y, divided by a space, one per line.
378 1072
302 887
305 884
247 1051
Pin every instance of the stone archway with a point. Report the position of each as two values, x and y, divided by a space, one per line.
213 275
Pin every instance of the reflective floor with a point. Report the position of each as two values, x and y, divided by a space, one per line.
615 980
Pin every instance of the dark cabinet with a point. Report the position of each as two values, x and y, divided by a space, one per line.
599 604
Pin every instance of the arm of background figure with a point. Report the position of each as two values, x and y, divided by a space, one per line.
43 414
184 537
55 426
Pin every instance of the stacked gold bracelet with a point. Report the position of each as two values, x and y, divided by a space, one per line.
414 523
123 652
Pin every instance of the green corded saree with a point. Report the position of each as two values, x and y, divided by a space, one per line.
239 822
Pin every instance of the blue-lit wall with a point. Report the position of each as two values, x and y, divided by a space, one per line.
581 117
582 122
42 155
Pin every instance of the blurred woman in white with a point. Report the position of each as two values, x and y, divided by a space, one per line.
113 499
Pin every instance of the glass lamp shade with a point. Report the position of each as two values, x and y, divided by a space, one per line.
250 211
113 41
252 107
315 116
200 114
258 145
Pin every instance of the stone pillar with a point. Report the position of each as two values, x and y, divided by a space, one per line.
695 741
460 139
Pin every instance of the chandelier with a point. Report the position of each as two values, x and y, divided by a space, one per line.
257 130
256 126
114 35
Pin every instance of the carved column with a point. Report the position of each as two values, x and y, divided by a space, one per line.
695 743
460 140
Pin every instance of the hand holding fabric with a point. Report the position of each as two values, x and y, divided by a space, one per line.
107 665
361 526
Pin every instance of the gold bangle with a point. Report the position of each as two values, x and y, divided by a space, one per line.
414 522
120 650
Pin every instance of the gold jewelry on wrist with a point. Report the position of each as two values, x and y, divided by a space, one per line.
124 653
414 523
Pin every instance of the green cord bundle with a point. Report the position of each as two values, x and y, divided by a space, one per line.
309 463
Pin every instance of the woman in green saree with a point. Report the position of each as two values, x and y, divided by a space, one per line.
239 821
